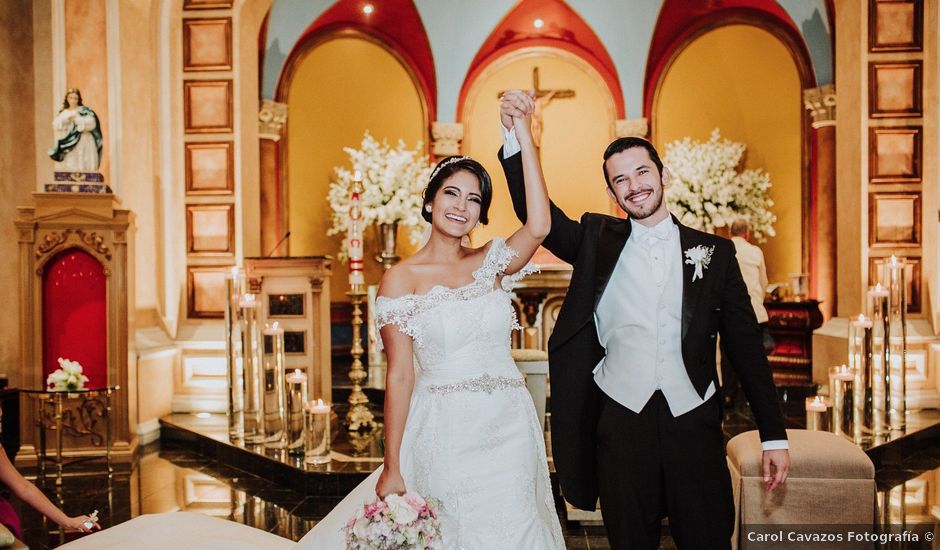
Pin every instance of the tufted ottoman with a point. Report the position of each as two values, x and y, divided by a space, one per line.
831 482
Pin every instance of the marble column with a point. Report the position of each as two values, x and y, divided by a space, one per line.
271 124
821 104
633 127
446 138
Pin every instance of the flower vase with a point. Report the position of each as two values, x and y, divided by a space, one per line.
387 234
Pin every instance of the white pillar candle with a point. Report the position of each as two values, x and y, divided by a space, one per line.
317 432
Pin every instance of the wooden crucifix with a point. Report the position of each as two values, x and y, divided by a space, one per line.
542 99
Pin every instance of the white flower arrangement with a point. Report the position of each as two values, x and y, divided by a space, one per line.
68 377
709 191
393 180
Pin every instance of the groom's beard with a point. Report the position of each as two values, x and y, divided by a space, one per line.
645 210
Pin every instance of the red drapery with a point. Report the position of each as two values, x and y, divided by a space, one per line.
74 314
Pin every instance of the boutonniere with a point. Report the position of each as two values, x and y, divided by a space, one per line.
699 256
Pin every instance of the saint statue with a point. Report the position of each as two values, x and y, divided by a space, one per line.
78 136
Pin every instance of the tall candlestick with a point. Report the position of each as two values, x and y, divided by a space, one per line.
896 336
860 360
841 394
881 357
359 417
296 401
234 373
354 233
274 398
252 349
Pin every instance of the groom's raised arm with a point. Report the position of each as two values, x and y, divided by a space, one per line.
564 239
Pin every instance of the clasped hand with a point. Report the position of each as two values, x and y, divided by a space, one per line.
515 111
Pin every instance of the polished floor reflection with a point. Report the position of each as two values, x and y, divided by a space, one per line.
175 477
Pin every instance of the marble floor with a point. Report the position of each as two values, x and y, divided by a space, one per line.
172 477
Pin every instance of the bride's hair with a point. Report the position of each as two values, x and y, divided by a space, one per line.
447 168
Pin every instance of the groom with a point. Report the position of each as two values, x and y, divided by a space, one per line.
636 418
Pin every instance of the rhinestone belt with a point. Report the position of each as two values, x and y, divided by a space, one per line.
486 383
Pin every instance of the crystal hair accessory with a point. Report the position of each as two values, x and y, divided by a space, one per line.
447 162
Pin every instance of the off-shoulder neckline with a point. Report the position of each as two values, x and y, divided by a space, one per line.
477 273
434 289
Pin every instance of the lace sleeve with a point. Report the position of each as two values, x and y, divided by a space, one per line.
400 312
498 258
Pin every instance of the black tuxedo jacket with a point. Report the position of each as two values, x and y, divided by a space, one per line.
717 303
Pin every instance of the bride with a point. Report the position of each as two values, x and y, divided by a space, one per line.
460 426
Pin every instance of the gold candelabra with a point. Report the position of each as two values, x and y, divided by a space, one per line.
359 417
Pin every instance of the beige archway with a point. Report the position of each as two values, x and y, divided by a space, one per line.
576 132
331 102
744 80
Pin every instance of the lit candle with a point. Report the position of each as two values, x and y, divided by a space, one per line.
841 394
816 403
354 232
862 321
317 432
248 301
296 400
816 413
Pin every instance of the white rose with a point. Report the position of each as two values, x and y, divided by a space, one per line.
400 511
360 529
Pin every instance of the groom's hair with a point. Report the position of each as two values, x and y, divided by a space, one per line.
622 144
448 167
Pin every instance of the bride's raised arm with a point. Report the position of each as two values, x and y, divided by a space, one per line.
527 239
399 382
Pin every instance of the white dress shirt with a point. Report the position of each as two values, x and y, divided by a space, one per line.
647 278
754 272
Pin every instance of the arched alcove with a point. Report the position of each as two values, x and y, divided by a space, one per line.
744 80
331 103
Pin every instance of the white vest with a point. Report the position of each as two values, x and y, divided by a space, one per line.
639 323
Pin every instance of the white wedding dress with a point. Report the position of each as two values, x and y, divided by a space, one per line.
472 439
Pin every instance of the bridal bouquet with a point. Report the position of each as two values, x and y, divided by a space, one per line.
393 180
68 377
710 190
400 522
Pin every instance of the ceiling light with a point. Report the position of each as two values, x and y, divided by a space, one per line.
368 9
538 23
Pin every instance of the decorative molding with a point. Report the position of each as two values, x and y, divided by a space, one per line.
895 154
894 220
51 241
210 230
896 89
95 241
206 292
895 25
207 106
207 4
632 127
207 44
821 104
446 138
209 168
271 119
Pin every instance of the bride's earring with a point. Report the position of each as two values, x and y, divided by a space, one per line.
427 208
